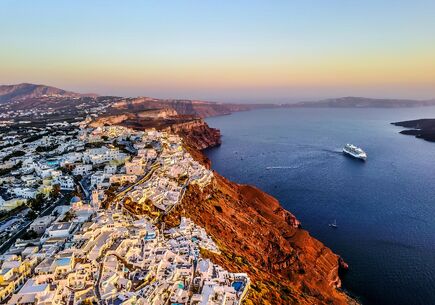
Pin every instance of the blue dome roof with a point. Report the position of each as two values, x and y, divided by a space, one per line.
75 199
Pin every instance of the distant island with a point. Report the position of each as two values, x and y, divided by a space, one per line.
422 128
363 102
26 96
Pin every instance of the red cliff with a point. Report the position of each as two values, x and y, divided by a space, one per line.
256 235
197 134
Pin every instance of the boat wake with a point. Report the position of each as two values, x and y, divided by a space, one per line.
334 151
283 167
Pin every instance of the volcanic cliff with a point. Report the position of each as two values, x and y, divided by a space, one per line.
195 132
192 108
256 235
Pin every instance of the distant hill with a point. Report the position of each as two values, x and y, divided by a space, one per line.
195 108
363 102
25 91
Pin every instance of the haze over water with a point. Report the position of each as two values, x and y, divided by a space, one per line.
385 208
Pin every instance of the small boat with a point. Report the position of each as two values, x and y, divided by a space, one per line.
334 224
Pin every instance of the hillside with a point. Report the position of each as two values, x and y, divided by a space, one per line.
27 91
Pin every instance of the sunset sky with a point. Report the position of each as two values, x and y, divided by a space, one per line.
234 51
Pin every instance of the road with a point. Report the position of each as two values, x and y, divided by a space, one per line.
97 285
145 178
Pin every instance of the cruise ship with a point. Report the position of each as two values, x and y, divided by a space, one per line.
354 151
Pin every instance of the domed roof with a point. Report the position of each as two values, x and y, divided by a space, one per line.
75 199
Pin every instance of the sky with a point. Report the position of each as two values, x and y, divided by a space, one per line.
262 51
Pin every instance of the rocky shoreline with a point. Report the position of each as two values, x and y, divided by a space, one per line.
422 128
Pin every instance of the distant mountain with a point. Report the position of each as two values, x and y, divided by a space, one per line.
363 102
25 91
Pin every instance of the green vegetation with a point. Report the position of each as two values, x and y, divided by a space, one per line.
36 203
31 215
111 192
7 171
94 145
31 234
46 148
6 214
17 153
69 216
65 171
33 138
10 145
121 147
55 192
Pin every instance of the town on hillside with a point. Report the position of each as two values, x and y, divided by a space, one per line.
70 228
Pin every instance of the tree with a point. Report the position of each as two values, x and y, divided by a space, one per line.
70 215
78 178
65 171
17 153
5 171
46 148
55 192
31 215
37 202
31 234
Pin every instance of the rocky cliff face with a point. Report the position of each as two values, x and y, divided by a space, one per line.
155 116
256 235
197 134
193 108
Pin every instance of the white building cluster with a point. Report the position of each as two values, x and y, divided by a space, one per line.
32 166
174 171
112 258
83 253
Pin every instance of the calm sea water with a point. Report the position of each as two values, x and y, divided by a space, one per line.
385 207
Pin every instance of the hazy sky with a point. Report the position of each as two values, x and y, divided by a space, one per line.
222 50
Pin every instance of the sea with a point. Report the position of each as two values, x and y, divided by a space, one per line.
384 208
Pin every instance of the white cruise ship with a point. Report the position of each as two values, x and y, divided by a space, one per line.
354 151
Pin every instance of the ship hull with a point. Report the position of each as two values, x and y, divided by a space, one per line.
362 158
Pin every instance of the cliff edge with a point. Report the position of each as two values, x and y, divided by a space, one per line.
256 235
